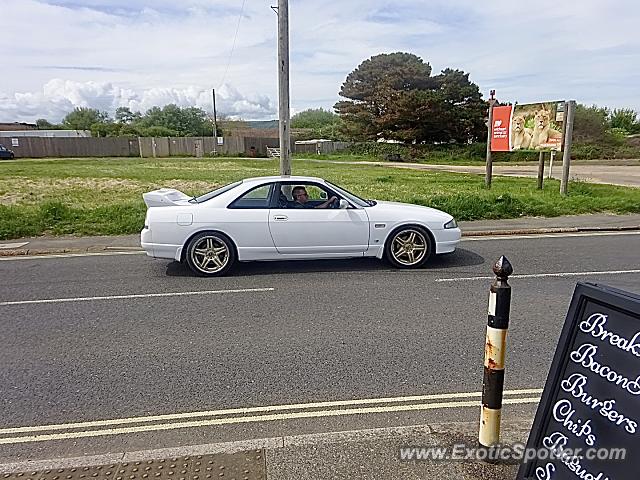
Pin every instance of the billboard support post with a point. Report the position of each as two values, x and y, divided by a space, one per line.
489 162
570 107
540 170
553 156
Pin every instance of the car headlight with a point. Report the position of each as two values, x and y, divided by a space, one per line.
451 224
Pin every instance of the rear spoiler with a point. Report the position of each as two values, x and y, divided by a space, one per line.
165 197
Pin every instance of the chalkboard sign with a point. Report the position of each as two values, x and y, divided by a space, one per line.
588 422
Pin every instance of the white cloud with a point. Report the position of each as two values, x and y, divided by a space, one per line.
136 52
58 97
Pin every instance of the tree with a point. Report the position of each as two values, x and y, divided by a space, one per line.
106 129
394 96
82 118
125 115
590 124
188 121
315 123
625 119
374 87
44 124
464 107
157 131
315 118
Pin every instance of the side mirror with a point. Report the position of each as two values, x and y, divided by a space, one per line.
323 195
344 204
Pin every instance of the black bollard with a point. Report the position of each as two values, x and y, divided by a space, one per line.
494 352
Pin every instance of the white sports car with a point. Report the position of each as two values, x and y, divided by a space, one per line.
289 218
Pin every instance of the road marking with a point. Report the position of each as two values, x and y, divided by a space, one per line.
540 275
480 238
267 408
254 419
143 295
67 255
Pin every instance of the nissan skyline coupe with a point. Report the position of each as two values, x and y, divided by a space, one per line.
289 218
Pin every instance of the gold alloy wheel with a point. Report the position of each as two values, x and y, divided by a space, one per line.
409 247
210 254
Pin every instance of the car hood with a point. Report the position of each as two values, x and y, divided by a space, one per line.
383 208
166 197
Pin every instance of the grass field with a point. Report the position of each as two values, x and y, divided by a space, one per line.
103 196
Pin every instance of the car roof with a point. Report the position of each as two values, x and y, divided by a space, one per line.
282 178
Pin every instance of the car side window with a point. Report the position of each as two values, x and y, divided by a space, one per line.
315 195
257 197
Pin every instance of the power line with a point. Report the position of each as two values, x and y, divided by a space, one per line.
233 47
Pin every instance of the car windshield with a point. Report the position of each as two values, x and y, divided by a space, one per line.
353 198
214 193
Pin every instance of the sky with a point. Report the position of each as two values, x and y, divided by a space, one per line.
61 54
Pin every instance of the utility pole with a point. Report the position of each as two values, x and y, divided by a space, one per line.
215 122
283 87
489 163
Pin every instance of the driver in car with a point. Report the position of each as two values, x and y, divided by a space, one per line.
301 197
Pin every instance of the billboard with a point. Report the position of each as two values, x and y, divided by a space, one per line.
531 126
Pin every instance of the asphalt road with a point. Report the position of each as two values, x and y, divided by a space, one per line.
276 333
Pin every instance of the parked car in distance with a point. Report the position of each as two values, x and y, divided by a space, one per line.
289 218
5 152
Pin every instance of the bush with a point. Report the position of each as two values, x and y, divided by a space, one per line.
617 135
417 153
587 151
616 146
590 124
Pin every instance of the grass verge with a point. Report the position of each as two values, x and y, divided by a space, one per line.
104 196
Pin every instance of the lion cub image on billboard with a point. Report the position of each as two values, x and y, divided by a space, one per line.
537 126
543 135
520 135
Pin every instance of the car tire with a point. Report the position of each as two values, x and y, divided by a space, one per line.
409 246
210 254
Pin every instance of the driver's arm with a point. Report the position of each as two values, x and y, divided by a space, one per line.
328 202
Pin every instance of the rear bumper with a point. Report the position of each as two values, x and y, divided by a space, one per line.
158 250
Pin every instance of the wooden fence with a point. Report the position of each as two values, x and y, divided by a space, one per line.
43 147
40 147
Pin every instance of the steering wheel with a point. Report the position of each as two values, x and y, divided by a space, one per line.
335 203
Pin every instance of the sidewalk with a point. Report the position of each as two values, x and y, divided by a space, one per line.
366 455
518 226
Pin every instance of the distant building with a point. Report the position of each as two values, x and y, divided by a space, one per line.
14 126
45 133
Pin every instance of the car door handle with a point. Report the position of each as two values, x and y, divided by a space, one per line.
280 217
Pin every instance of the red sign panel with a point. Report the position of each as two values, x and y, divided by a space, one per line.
500 129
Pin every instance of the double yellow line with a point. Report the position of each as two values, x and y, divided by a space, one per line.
153 423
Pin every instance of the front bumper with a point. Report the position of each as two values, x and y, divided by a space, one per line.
447 240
